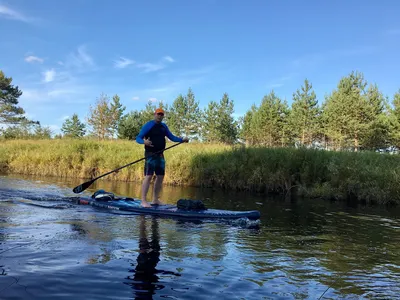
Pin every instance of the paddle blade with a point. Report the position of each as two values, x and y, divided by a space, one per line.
80 188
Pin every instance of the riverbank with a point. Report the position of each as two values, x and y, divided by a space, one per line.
362 177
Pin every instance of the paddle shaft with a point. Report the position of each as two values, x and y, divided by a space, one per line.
136 161
85 185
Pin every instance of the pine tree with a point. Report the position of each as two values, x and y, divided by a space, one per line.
347 112
227 126
100 118
10 112
148 112
192 116
41 133
27 130
116 111
18 131
73 127
396 104
270 122
378 132
218 124
284 124
130 125
184 116
175 115
395 120
331 122
304 114
209 126
246 129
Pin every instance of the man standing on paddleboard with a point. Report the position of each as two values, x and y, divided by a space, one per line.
152 135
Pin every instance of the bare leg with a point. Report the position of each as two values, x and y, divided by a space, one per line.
157 189
145 189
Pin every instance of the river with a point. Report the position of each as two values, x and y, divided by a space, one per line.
51 248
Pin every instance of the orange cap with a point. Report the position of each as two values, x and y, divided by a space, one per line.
159 110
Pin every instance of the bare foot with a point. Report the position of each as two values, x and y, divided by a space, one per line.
145 204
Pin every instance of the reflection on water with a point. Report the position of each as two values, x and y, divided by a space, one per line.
145 279
303 249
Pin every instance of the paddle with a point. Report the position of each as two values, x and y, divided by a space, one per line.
85 185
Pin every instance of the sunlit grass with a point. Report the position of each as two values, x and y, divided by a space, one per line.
365 176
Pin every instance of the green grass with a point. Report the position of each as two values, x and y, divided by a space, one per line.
363 177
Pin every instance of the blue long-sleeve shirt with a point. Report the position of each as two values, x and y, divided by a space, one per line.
157 133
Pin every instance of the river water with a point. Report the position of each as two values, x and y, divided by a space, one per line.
51 248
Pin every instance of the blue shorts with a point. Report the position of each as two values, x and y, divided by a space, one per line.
154 164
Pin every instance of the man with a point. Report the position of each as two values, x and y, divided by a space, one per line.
152 135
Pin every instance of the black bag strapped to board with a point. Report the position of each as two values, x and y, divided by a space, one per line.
102 195
188 204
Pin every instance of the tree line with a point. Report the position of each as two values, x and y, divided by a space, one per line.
354 116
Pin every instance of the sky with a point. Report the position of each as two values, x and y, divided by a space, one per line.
64 54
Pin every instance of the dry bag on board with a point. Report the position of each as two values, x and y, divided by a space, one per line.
188 204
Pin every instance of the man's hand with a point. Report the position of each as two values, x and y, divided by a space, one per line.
185 140
148 143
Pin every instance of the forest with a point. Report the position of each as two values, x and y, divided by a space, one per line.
344 147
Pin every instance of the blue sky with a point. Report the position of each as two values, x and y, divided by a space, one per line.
64 54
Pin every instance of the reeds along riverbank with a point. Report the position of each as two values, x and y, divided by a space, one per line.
363 177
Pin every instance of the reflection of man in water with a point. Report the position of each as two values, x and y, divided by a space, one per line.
145 279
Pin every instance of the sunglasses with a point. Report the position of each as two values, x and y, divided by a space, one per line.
160 114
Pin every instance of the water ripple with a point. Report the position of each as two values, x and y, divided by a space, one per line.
296 251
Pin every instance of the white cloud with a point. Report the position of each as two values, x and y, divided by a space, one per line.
152 67
32 58
136 98
65 84
12 14
193 73
49 75
169 58
123 62
63 118
79 59
84 56
170 84
152 99
66 93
